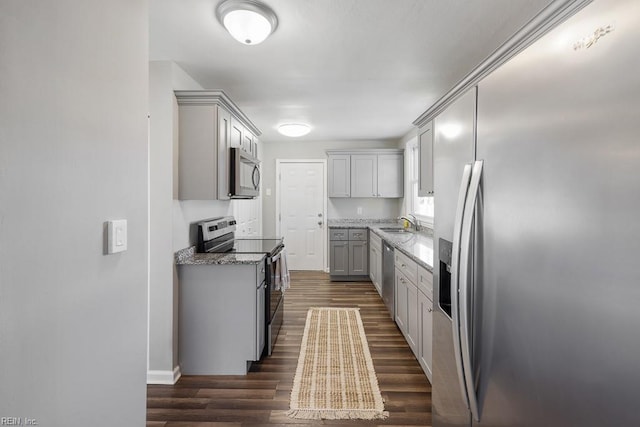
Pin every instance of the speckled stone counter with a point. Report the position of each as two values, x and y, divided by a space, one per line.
417 246
362 223
188 256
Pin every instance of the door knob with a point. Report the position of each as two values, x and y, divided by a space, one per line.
319 215
320 223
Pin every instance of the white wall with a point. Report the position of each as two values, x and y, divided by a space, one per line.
339 208
292 149
73 154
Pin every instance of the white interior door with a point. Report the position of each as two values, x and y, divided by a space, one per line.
301 191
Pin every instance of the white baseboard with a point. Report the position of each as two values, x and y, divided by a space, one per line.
164 377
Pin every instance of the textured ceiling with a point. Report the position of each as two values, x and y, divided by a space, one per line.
353 69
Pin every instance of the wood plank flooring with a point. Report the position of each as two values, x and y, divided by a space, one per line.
262 397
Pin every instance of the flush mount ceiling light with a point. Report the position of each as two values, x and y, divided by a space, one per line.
248 21
294 129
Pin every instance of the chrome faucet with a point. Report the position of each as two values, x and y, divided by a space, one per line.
413 221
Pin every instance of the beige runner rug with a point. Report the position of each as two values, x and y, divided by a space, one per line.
335 378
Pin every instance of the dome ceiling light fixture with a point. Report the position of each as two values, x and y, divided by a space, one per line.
294 129
248 21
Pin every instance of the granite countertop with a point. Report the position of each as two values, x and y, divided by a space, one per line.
362 223
416 245
188 256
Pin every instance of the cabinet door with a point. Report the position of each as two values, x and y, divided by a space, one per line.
401 302
260 320
425 332
390 175
379 270
224 134
339 176
339 258
358 258
364 175
374 260
247 141
236 136
412 317
198 161
425 166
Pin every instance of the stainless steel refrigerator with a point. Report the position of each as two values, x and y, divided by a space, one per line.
537 233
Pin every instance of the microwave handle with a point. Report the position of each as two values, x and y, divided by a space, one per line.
256 181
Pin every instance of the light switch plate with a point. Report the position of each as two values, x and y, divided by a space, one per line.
116 236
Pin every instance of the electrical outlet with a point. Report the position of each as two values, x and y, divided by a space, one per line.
359 210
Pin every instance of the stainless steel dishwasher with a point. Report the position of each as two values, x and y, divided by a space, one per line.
388 278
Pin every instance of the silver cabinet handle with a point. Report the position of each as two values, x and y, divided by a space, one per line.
403 265
429 309
320 223
455 265
464 309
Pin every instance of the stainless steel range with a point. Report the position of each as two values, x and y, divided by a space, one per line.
217 235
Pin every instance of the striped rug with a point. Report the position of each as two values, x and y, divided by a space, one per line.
335 378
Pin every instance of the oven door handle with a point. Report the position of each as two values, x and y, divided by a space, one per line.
276 257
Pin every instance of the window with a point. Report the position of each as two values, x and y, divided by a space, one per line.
421 207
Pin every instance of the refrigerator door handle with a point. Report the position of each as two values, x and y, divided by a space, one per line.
464 308
455 264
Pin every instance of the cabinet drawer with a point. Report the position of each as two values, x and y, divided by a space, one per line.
407 266
425 281
358 234
338 234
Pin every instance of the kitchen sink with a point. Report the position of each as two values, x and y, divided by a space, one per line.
396 230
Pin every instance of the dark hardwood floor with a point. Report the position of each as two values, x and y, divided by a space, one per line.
262 397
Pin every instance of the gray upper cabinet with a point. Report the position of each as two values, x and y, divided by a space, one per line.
425 169
198 159
390 175
366 173
339 175
209 123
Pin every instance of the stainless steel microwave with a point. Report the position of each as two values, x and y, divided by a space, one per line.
244 175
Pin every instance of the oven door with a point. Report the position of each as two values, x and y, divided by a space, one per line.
244 175
275 284
275 301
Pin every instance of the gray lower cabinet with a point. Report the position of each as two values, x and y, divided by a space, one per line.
348 253
425 328
375 261
339 258
358 258
221 318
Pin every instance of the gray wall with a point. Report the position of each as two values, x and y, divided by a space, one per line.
73 154
170 219
292 149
